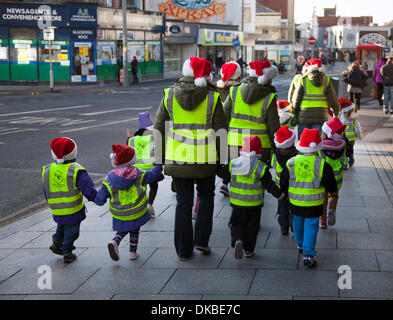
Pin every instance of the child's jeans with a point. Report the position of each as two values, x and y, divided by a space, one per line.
284 214
331 200
306 230
351 160
134 237
65 236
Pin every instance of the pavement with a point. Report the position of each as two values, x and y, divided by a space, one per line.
361 239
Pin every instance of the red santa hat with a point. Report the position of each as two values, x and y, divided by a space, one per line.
252 146
122 156
313 64
284 138
346 105
283 105
229 71
199 68
334 128
310 141
262 70
63 149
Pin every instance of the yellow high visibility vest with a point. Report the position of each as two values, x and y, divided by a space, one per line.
143 146
314 97
350 132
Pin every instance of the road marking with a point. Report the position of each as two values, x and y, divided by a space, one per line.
116 110
99 125
22 130
45 110
7 129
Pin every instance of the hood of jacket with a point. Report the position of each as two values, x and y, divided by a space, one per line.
187 94
316 77
252 91
124 178
333 148
244 165
283 155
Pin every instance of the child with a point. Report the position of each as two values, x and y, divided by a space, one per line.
249 178
333 151
285 143
142 142
285 113
353 129
65 182
305 178
126 188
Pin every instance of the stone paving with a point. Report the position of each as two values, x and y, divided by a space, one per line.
362 239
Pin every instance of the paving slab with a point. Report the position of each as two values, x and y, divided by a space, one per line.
11 297
7 271
93 296
385 259
360 241
243 297
156 239
364 212
350 225
5 252
381 225
43 226
157 297
19 239
377 201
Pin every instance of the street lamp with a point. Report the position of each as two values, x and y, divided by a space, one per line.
125 40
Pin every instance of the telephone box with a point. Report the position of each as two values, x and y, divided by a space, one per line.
369 55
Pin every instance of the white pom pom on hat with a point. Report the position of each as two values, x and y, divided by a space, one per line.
63 149
262 70
199 68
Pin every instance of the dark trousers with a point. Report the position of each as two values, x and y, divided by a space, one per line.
284 214
153 192
65 236
135 76
134 237
380 93
355 98
244 224
184 235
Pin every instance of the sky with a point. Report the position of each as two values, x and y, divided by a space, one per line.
381 10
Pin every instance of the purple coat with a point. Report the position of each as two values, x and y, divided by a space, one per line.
377 78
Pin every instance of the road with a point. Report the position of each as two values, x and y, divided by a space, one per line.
94 121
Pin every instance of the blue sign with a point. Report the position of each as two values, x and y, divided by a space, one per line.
174 29
82 15
236 42
192 4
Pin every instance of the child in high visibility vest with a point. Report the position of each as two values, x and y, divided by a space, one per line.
66 179
353 130
333 150
249 179
284 109
126 188
285 143
305 179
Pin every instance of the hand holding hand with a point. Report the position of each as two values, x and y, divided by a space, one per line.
128 133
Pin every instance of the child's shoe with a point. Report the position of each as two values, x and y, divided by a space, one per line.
309 261
69 257
194 215
248 254
285 232
331 219
151 210
113 249
238 249
133 256
224 190
56 250
351 161
205 250
386 111
322 224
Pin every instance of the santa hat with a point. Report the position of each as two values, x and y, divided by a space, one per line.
229 71
199 68
122 156
334 128
310 141
252 146
262 70
284 138
283 105
63 149
313 64
346 105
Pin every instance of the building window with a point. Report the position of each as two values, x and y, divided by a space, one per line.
132 4
108 3
265 31
246 15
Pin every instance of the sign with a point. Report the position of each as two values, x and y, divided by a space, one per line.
49 34
82 15
83 34
211 37
175 29
83 51
374 38
236 42
312 41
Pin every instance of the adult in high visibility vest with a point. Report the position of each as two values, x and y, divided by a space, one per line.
250 177
305 179
125 186
65 182
251 109
142 142
294 83
189 116
313 97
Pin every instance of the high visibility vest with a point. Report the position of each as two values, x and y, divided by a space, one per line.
338 167
305 175
247 191
314 97
277 168
350 132
248 119
63 196
130 204
191 138
143 146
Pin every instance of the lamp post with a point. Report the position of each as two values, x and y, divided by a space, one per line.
125 40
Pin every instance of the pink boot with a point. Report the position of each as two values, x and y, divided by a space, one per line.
133 256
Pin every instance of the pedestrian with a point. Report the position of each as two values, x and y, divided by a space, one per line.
285 150
243 65
134 69
284 109
353 130
305 178
300 63
377 78
333 151
251 109
356 80
219 62
191 152
65 182
125 186
249 179
387 76
142 142
294 83
313 97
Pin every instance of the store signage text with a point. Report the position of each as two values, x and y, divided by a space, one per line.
83 34
374 38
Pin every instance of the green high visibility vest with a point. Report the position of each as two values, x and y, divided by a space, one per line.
277 169
143 146
293 86
130 204
191 138
247 191
350 132
314 97
305 175
338 167
63 196
248 119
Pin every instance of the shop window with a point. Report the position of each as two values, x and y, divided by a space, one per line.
3 51
23 51
59 55
83 62
106 53
132 4
173 57
136 49
154 51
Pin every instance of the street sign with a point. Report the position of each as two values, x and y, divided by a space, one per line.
49 34
236 42
312 41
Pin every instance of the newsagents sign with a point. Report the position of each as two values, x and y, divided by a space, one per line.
82 15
